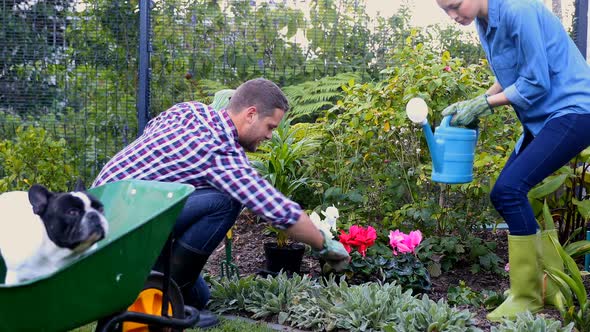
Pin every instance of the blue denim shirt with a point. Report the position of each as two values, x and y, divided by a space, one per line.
541 70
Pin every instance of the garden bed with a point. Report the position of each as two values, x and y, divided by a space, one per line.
248 254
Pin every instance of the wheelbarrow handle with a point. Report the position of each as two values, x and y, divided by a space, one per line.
191 318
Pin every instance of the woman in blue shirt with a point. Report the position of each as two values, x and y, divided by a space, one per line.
543 76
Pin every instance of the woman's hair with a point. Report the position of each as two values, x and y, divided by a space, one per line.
259 92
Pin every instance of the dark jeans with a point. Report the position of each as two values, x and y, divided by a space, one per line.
556 144
202 224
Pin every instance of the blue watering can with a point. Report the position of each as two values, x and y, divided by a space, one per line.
452 149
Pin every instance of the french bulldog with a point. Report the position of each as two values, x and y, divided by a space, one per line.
40 228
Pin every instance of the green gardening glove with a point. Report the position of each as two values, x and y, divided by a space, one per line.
333 253
466 113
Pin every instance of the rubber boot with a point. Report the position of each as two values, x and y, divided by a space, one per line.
186 263
526 277
550 257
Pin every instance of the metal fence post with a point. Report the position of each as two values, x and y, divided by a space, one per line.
143 93
582 26
582 43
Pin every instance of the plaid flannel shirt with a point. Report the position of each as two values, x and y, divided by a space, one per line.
192 143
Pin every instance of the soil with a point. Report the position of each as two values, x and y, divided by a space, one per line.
248 254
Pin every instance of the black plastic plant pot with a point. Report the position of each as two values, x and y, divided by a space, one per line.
287 258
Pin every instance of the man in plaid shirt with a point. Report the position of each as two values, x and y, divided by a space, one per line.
195 144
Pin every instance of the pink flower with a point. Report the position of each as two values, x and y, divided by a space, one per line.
414 239
396 241
404 243
507 267
447 68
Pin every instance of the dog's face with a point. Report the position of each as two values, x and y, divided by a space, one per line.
73 220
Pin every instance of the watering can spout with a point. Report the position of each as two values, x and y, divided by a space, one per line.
433 147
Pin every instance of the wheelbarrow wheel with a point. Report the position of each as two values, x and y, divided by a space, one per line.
150 301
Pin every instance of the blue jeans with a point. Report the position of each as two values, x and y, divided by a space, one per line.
202 224
556 144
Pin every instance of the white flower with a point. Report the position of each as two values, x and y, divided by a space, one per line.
321 225
315 218
331 214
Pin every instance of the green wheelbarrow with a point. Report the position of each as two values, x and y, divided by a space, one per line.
103 284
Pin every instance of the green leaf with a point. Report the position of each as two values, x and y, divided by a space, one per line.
283 316
434 269
583 207
547 217
575 287
578 248
548 187
572 267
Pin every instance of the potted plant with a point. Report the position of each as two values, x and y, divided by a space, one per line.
279 161
282 254
288 256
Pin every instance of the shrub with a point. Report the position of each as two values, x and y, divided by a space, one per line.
34 157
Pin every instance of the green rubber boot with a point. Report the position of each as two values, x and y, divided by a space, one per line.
550 258
526 277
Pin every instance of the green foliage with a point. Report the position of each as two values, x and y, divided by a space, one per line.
280 161
424 215
525 322
434 316
369 306
334 305
441 254
262 297
337 32
281 235
483 257
405 270
28 81
310 98
564 192
464 295
571 284
572 249
451 38
34 157
373 152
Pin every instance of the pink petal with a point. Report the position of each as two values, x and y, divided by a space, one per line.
415 238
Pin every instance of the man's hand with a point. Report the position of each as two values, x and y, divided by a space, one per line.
467 112
333 253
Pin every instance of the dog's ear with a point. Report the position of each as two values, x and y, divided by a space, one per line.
39 198
80 186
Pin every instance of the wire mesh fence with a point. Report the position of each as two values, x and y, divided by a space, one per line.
72 66
66 66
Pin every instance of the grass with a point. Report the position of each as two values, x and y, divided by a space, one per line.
237 325
227 325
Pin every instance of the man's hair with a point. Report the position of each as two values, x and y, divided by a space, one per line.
259 92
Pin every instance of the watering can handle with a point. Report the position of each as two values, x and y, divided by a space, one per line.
446 121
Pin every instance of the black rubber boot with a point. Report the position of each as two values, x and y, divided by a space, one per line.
186 264
207 319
